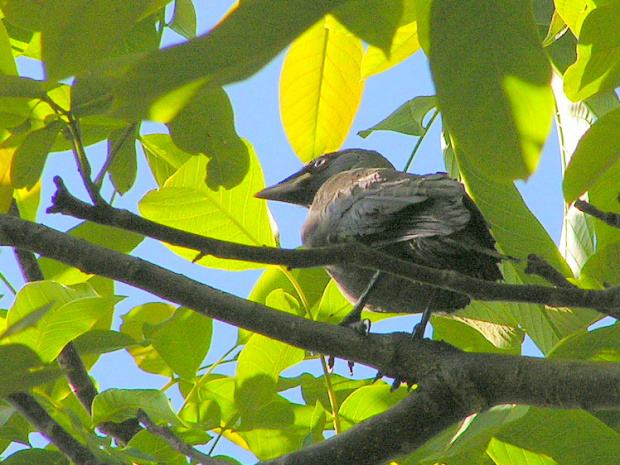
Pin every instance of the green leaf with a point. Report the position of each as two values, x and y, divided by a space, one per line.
164 157
492 84
369 401
184 19
102 341
124 166
323 67
604 195
597 152
598 54
182 341
145 356
18 86
600 344
118 405
73 313
570 437
21 369
81 34
235 49
476 335
259 366
465 443
206 125
374 21
604 265
505 453
188 203
28 321
38 456
148 446
217 405
30 156
406 119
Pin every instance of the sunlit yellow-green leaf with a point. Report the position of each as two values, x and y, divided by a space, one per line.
81 33
598 54
493 84
506 453
404 44
188 203
245 41
573 12
260 363
597 151
320 89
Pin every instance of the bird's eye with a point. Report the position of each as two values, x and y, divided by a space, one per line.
319 162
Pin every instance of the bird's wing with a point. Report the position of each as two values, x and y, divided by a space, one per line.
386 206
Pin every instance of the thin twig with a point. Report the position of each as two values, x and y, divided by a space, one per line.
610 218
173 441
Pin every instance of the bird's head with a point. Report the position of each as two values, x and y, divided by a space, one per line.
301 187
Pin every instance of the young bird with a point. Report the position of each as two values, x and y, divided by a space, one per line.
358 195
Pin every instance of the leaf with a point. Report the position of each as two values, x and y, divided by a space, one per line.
259 365
492 84
406 119
145 356
182 341
22 369
30 156
604 265
124 166
23 87
597 152
186 202
118 405
184 19
235 49
72 314
206 125
98 341
506 453
598 54
38 456
148 446
81 34
164 157
600 344
374 21
320 89
28 321
367 402
570 437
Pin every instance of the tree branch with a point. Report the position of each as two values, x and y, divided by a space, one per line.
449 380
69 359
610 218
607 301
36 415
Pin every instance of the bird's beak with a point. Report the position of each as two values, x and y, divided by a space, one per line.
293 189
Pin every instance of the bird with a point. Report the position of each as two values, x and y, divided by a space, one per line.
430 220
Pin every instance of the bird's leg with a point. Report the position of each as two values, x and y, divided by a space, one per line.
420 328
354 318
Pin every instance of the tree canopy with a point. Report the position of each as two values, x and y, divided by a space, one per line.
504 73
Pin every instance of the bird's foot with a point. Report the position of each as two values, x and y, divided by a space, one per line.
331 361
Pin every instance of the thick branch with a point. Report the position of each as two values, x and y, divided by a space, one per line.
607 301
467 382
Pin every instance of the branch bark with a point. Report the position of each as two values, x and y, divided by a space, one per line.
452 384
607 301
